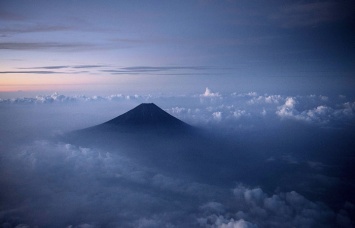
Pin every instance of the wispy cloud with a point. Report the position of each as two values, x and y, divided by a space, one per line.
155 69
35 28
64 67
305 14
30 72
87 66
133 70
45 67
24 46
59 69
7 15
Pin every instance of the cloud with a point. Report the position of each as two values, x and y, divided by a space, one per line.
42 46
65 67
10 16
239 113
209 93
50 69
217 116
45 67
266 99
287 110
255 208
321 114
30 72
307 14
238 224
35 28
59 98
74 185
233 110
136 70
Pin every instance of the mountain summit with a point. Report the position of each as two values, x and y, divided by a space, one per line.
146 114
145 118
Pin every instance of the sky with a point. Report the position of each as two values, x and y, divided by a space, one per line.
176 46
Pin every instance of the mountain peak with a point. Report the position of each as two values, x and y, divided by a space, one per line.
146 116
146 120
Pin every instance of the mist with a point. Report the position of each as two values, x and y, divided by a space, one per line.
256 160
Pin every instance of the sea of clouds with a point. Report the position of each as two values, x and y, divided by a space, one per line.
50 183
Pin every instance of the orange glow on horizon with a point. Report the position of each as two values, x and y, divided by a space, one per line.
31 82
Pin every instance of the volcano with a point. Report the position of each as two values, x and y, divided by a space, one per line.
147 115
149 135
144 128
145 118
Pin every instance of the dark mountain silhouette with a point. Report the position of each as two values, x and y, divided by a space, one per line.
145 118
149 135
147 115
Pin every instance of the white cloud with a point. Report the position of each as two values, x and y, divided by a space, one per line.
59 98
85 225
209 93
250 94
290 102
348 109
239 113
213 207
264 112
73 177
205 108
238 224
217 116
266 99
287 110
321 114
255 208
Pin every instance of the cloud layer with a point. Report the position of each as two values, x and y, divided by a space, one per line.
211 107
254 208
295 153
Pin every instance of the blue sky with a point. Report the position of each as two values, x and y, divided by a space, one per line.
171 46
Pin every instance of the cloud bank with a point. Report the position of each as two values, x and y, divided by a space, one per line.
211 107
297 150
255 208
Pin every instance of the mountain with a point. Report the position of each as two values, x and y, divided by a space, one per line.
149 135
143 119
147 115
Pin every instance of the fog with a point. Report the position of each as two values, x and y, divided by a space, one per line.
257 160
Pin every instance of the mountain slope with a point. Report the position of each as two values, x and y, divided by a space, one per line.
143 119
149 135
148 115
